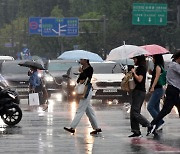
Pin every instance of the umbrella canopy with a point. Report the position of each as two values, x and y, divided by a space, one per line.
155 49
80 54
125 52
34 64
167 57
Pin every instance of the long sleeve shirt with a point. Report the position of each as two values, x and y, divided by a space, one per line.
173 75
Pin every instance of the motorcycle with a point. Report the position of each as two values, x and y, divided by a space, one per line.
10 112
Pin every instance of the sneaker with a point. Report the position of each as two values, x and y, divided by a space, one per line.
151 129
135 135
71 130
160 127
45 107
97 131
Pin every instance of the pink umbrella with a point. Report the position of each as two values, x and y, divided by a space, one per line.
155 49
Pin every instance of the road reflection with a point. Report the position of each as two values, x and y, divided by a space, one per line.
86 138
73 107
51 103
10 130
89 140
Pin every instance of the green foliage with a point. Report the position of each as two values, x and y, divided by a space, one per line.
56 12
113 25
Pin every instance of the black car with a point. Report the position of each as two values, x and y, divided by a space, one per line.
16 77
53 77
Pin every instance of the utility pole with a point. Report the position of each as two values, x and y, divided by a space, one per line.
104 33
178 15
103 20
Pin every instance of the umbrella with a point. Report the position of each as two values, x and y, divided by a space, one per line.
155 49
125 52
167 57
34 64
80 54
126 61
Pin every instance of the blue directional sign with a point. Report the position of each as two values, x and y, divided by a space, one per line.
60 27
35 25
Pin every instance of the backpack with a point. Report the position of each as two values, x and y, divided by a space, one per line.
125 82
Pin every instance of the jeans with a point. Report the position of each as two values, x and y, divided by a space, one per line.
135 116
172 98
154 104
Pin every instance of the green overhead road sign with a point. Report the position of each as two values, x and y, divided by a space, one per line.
149 14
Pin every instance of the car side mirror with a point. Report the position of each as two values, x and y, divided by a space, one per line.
65 76
76 73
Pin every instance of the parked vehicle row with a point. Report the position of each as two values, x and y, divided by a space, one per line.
60 77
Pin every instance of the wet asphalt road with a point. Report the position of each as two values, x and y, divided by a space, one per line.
42 132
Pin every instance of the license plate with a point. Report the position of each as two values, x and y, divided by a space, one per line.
110 90
22 89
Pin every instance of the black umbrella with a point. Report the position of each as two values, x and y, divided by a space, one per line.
32 64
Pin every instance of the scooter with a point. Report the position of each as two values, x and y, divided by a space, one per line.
10 112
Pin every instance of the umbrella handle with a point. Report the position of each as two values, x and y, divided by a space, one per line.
31 91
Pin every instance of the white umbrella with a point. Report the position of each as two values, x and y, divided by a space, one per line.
126 51
80 54
167 57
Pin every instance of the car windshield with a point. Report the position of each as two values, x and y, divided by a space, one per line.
13 68
74 71
59 66
107 68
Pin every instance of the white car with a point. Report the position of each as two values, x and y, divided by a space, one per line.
106 82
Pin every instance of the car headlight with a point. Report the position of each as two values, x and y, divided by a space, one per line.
94 79
72 83
49 78
40 75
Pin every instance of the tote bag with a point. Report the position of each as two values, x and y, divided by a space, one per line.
33 99
80 88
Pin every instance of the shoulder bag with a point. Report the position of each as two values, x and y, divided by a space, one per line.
127 83
80 88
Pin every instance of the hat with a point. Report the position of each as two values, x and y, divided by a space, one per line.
176 55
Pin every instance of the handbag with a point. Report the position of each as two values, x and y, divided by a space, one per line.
33 99
162 77
132 84
127 83
80 88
